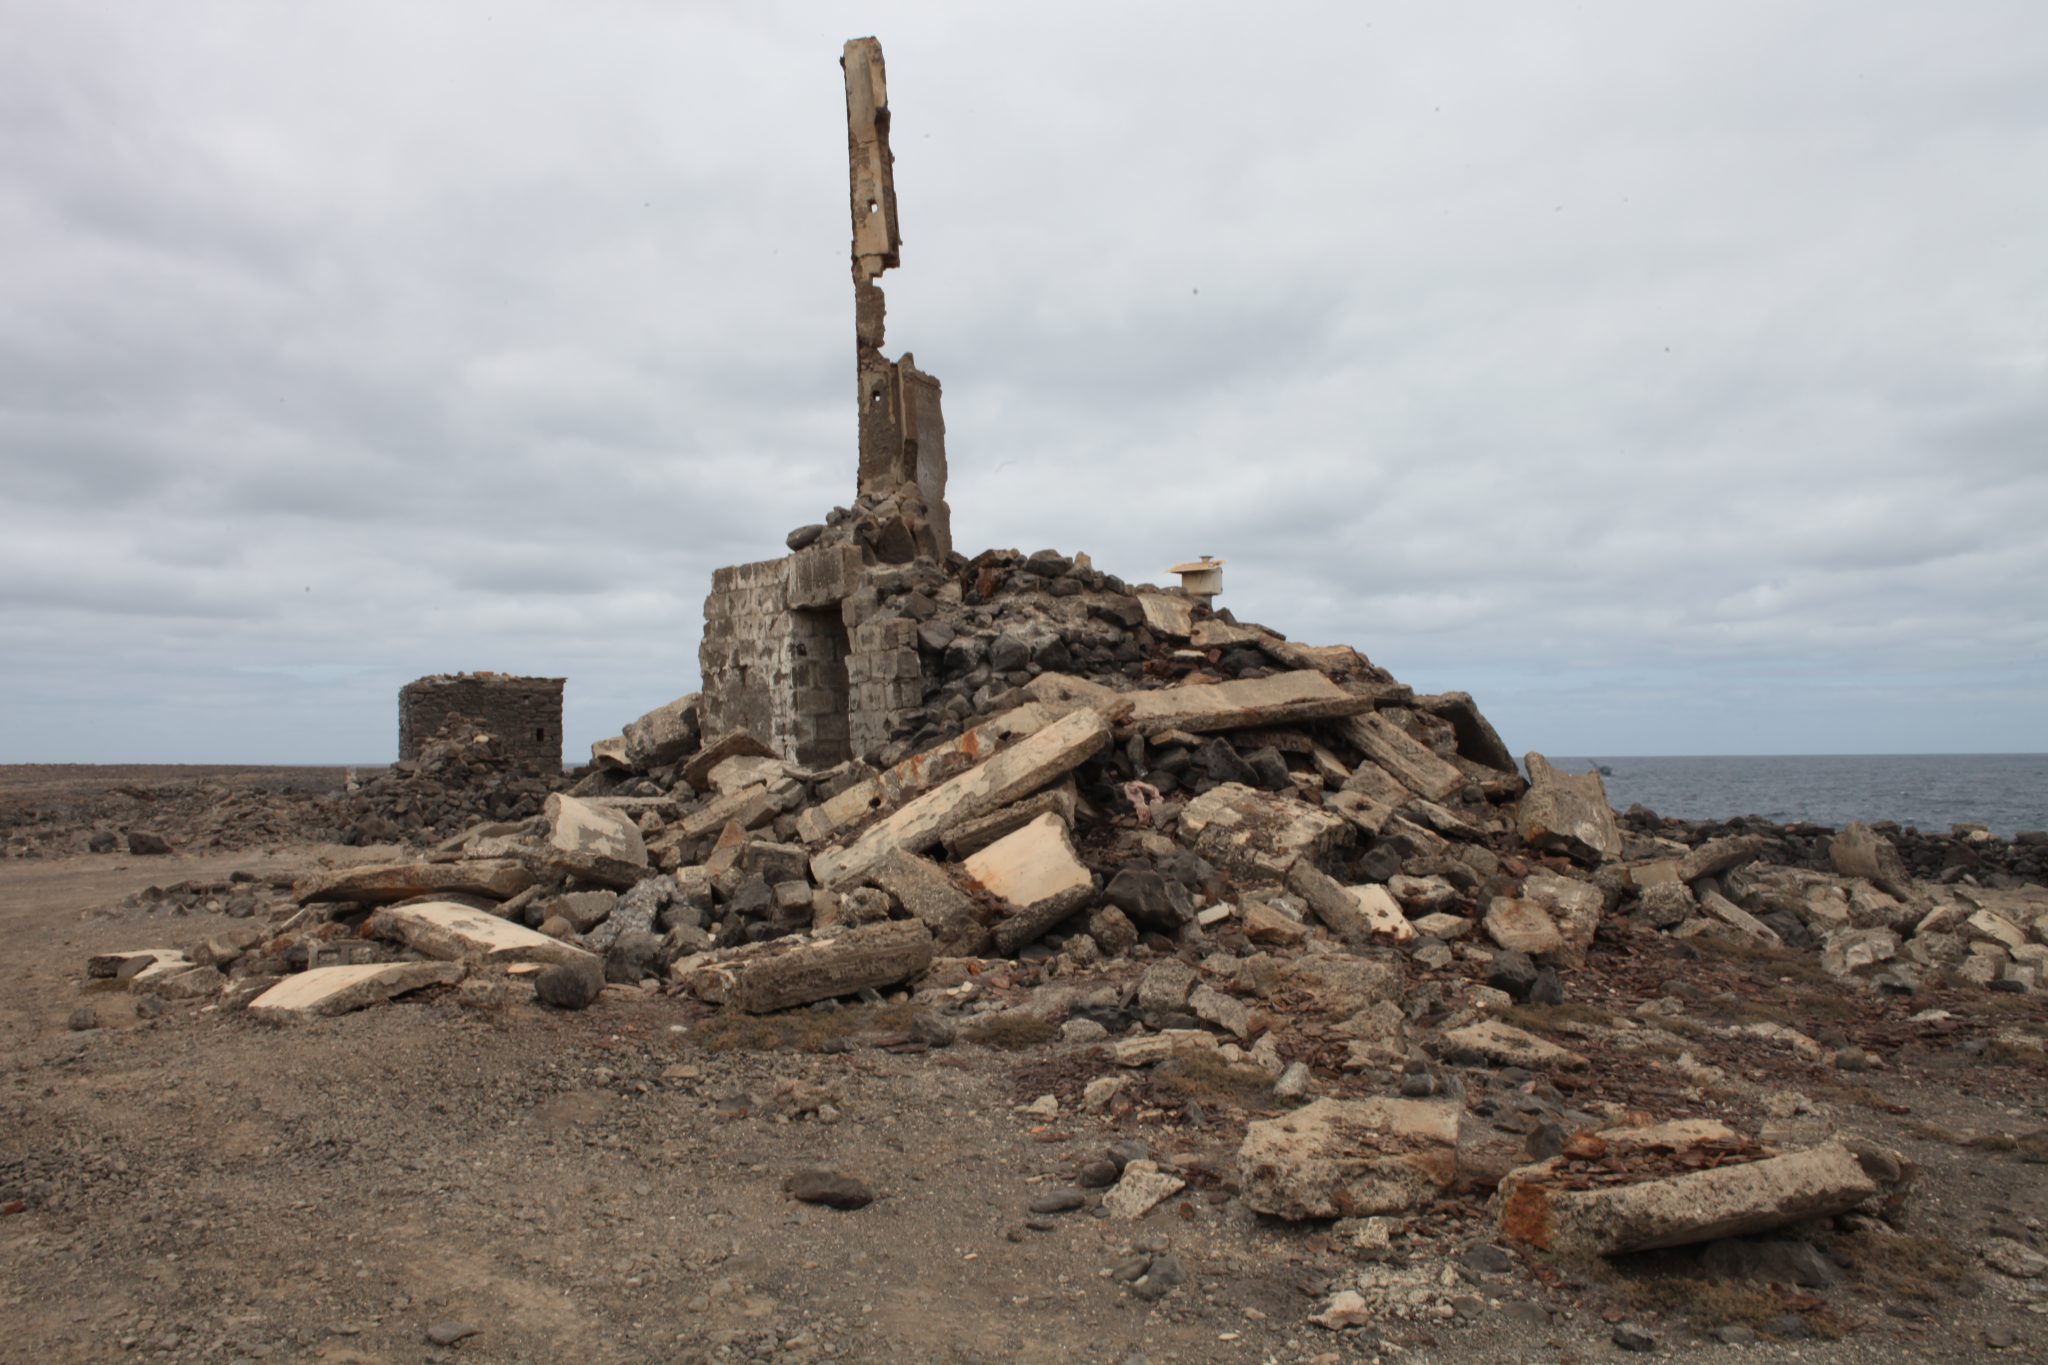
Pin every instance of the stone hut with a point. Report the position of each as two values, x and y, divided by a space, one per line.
525 714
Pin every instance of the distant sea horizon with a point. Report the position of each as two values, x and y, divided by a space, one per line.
2005 793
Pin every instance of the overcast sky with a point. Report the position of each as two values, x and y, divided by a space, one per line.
1672 377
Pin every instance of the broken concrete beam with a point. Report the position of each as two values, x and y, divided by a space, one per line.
1403 756
1333 660
1680 1210
924 889
337 990
591 842
731 744
1214 634
1281 699
1739 919
1015 772
741 771
663 735
1477 739
919 773
1350 1158
1359 915
1717 856
1254 831
457 933
975 835
1035 870
1149 1049
749 808
1567 814
497 879
785 972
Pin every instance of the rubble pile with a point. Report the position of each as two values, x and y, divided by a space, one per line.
464 773
153 818
1966 851
1177 844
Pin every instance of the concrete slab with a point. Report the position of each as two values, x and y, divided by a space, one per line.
456 933
1409 761
338 990
1281 699
497 878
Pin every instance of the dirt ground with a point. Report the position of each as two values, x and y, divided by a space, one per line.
608 1185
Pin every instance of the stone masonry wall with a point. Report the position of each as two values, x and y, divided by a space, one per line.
524 714
784 659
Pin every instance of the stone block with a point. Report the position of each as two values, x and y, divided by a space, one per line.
1566 813
663 735
591 842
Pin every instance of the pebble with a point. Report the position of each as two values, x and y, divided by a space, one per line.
449 1331
1059 1201
1630 1337
830 1188
1099 1174
83 1018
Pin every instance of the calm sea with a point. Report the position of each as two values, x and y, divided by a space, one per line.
2007 792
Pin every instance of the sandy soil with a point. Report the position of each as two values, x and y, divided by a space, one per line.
608 1186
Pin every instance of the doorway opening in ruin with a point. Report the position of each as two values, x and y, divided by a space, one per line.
818 650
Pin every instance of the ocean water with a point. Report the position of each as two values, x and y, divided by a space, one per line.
2006 792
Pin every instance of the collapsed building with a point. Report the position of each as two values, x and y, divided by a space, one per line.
1015 787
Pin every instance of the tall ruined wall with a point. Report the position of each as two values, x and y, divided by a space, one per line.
524 714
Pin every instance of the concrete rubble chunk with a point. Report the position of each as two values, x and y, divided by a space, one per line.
920 772
338 990
1735 917
1281 699
1510 1046
1477 739
457 933
1034 869
1168 613
1350 1158
785 972
1356 914
130 963
496 878
663 735
749 808
1409 761
1149 1049
609 755
1567 814
1520 926
731 744
1259 832
596 844
930 896
1140 1189
742 771
1010 775
1679 1210
975 835
1574 907
1860 851
1717 856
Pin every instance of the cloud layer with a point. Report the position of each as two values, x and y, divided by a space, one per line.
1674 379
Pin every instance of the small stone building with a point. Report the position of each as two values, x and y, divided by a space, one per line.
524 714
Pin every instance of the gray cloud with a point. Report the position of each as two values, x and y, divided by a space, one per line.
1672 378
